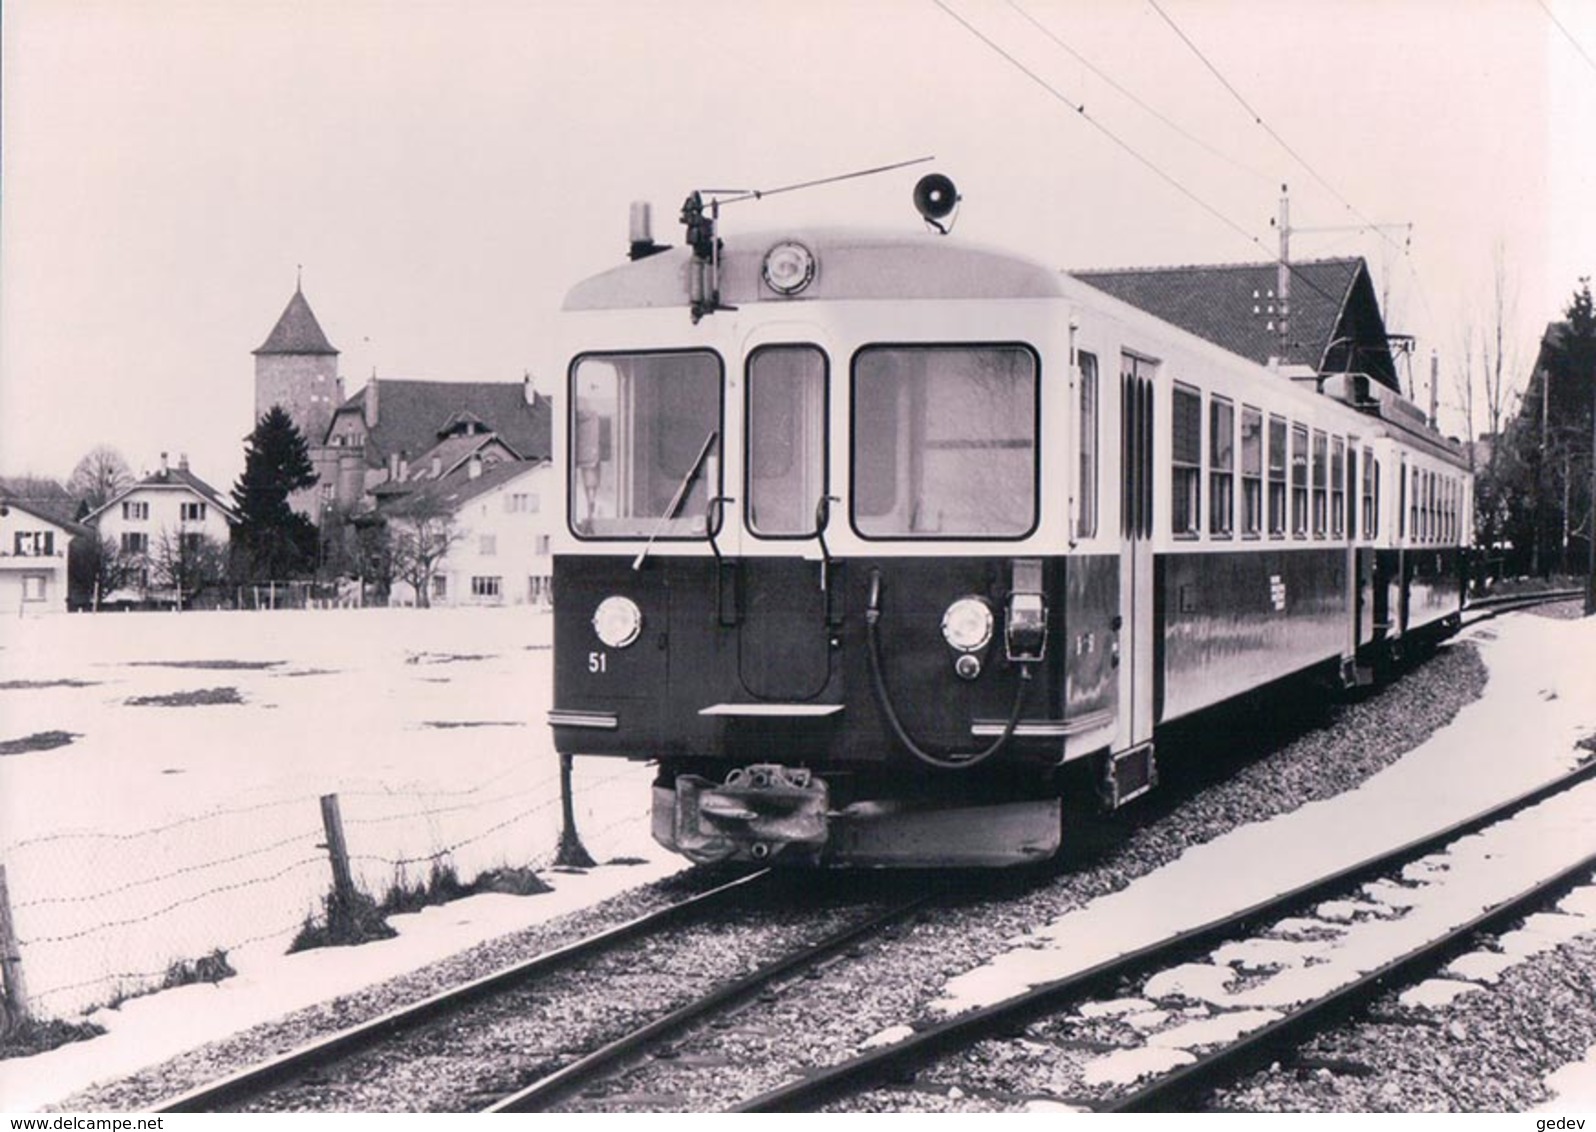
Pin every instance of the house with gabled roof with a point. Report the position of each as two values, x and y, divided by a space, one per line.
170 510
490 521
34 543
1334 324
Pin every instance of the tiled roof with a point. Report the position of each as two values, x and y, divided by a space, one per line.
297 331
170 478
458 488
1235 306
411 415
453 451
49 510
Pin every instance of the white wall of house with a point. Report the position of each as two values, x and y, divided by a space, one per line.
33 563
136 522
502 553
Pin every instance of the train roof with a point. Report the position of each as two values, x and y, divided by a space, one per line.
849 265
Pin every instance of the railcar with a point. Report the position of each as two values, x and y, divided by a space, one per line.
883 545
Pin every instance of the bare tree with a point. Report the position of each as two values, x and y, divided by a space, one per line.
187 563
99 476
422 531
98 567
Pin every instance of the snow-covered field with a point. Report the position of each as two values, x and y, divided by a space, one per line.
168 828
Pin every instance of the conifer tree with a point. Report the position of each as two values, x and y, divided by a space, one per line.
271 540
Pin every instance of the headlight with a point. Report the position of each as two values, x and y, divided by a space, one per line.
789 268
617 621
967 625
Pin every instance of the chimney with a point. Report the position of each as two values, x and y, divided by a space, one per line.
163 465
474 468
182 462
393 466
437 465
529 394
370 406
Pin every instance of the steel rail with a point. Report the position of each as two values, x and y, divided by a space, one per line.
963 1030
540 1094
1179 1088
1545 596
258 1078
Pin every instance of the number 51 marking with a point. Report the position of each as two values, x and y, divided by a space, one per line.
598 662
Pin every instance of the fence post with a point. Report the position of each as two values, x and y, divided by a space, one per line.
343 902
572 854
14 999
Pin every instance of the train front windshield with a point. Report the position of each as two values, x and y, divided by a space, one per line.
944 442
645 451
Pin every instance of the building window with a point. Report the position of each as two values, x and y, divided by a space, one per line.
193 512
540 544
193 542
488 545
1299 481
1086 521
1185 460
440 587
1277 477
1251 472
521 502
1321 470
34 544
135 542
485 587
35 586
1221 464
135 511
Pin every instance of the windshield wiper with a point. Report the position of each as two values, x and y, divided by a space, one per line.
676 500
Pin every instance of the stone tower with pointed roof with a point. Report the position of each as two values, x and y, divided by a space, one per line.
297 368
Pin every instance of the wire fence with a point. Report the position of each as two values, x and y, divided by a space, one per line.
101 916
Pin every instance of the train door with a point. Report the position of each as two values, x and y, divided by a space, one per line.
1130 767
784 598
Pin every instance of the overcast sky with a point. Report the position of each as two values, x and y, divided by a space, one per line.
444 171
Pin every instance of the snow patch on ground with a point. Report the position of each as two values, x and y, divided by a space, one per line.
428 724
1458 772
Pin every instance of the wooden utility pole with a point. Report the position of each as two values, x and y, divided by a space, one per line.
14 1009
343 902
1283 273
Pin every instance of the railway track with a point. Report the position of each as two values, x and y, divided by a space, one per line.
887 1068
338 1071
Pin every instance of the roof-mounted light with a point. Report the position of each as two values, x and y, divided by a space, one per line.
789 268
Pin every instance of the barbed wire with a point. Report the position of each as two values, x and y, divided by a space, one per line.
187 900
136 835
186 870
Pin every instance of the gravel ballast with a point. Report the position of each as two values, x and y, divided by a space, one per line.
1277 763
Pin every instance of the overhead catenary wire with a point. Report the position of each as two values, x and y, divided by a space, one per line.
1168 178
1133 97
1568 35
1270 130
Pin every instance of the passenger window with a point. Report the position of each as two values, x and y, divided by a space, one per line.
1186 441
1299 481
1277 477
1086 521
944 441
786 439
1338 487
1221 477
1321 471
1251 472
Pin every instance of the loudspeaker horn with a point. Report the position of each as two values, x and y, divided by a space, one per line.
935 197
